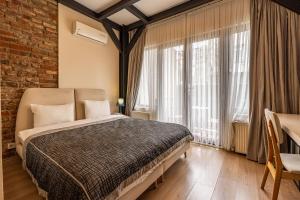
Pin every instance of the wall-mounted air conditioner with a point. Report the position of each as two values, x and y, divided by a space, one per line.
80 29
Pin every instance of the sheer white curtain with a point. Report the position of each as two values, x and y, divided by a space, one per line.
218 56
204 87
162 82
196 69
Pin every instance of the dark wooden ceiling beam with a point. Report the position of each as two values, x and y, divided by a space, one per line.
112 24
138 13
115 8
87 12
112 35
293 5
170 12
135 38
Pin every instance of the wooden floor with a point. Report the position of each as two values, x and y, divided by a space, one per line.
207 173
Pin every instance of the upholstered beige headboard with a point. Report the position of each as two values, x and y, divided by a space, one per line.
53 96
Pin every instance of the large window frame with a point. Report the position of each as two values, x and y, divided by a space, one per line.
225 40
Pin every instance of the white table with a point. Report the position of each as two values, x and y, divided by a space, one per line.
290 123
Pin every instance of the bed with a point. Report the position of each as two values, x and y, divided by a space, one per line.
115 157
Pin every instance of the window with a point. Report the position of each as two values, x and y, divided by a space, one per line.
204 90
171 81
218 84
196 71
148 81
239 73
161 83
198 88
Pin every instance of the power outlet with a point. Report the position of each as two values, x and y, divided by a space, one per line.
11 145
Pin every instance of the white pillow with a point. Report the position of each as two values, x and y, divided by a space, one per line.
44 115
96 109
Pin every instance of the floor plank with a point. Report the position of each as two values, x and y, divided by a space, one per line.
207 173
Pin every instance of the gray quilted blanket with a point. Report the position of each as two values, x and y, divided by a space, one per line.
91 162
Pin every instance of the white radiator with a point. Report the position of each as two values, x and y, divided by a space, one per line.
141 115
240 137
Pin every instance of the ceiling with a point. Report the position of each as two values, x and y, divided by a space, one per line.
124 17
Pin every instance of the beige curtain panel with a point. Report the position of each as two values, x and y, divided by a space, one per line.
206 20
168 31
218 16
274 61
134 71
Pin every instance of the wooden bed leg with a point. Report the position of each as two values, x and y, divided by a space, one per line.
185 155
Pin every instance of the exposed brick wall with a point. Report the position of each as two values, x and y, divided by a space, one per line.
28 55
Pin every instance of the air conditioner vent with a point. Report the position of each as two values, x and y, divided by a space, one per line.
86 31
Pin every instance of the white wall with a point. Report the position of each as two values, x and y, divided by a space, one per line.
84 63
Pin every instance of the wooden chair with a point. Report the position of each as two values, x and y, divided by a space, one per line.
280 165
